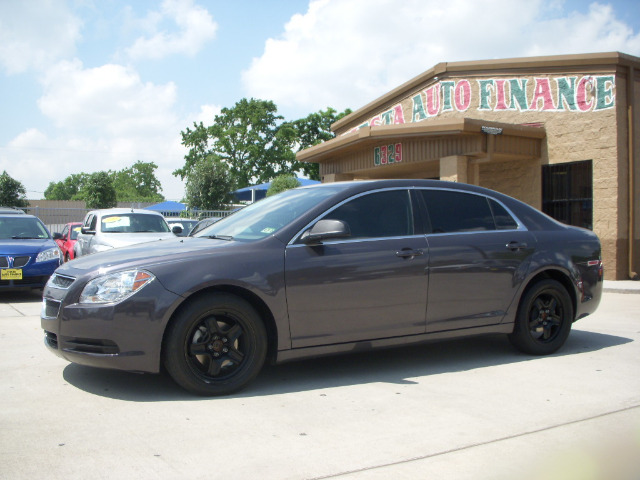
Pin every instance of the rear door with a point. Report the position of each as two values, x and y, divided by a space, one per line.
368 286
478 256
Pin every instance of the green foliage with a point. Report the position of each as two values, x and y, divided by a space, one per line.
315 128
137 183
67 189
98 191
12 192
255 142
209 184
282 183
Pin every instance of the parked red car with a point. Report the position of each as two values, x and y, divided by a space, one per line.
68 240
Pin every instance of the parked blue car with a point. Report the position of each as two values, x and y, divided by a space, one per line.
28 252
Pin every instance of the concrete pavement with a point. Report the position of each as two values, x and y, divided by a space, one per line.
469 409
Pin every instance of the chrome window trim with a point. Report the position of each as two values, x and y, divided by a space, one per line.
521 226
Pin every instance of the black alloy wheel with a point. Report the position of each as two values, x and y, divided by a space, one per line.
215 346
544 319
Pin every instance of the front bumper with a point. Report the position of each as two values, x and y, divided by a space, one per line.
123 336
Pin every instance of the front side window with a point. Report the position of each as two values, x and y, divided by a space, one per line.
380 214
451 211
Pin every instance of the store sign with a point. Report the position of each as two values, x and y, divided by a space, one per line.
387 154
555 94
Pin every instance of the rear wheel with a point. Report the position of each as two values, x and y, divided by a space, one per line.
215 346
544 319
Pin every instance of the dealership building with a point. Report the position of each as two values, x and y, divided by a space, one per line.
560 133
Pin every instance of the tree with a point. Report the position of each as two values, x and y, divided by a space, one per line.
315 128
247 137
282 183
98 191
209 184
137 183
12 192
67 189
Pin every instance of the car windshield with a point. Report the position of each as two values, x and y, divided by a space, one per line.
133 223
23 228
269 215
75 231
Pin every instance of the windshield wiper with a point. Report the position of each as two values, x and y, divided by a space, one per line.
228 238
18 237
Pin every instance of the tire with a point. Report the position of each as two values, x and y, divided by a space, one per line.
544 319
215 346
66 257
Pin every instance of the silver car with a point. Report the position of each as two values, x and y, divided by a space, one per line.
118 227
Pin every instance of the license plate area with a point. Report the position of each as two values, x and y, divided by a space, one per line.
11 274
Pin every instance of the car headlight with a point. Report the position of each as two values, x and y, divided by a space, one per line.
49 254
115 287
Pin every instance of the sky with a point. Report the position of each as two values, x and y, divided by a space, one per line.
96 85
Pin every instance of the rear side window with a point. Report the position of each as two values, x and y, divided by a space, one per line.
379 214
458 212
503 220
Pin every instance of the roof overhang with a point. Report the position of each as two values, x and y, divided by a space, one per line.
332 150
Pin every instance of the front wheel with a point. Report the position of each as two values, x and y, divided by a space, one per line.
215 346
544 319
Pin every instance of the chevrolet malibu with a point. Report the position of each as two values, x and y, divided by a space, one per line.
326 269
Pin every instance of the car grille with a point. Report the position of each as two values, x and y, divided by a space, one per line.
19 262
51 339
14 262
51 308
91 346
61 281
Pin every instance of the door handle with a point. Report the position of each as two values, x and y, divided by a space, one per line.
409 253
515 246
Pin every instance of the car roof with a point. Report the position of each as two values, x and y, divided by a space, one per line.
121 211
11 211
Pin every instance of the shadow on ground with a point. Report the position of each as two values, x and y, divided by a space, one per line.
394 366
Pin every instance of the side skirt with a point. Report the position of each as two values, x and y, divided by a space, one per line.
364 346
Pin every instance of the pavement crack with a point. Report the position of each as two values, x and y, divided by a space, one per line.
474 445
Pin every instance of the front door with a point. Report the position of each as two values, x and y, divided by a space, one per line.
371 285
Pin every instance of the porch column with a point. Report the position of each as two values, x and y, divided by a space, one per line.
454 169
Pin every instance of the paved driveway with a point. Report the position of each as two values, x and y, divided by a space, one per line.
470 409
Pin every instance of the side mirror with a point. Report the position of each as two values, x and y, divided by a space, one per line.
57 236
325 230
177 230
86 231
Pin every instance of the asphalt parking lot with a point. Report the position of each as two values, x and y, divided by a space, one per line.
470 409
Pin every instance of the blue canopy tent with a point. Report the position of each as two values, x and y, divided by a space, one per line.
258 192
168 208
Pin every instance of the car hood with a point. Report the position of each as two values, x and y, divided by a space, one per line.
142 255
25 247
118 240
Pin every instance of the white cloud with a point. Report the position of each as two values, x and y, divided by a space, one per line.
106 118
195 28
35 34
346 53
110 99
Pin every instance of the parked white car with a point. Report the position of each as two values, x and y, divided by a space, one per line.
118 227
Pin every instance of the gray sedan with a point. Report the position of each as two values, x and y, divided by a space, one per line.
326 269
